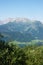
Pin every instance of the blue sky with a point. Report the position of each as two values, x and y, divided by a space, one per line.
32 9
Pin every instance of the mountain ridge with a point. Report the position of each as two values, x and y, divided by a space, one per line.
22 31
18 19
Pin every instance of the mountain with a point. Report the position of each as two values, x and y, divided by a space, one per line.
22 29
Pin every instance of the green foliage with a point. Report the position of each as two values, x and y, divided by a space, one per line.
11 54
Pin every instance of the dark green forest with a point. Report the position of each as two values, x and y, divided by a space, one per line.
15 55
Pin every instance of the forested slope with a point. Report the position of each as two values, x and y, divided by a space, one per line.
14 55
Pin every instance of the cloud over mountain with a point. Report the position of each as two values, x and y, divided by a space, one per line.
16 19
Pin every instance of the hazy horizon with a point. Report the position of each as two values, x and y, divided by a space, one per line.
31 9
